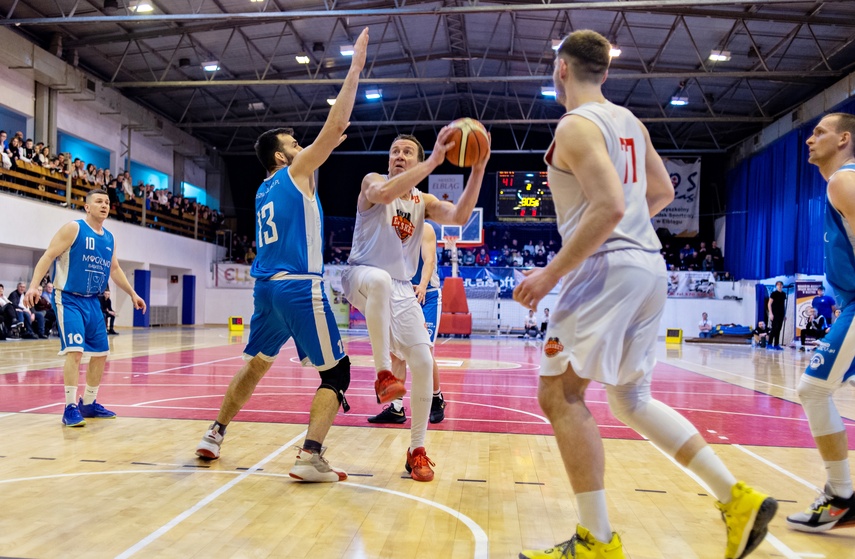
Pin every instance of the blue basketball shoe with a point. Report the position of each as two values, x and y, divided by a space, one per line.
95 410
71 417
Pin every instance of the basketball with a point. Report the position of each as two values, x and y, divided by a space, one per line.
470 142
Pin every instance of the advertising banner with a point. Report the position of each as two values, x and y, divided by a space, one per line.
691 285
805 292
446 187
681 215
234 276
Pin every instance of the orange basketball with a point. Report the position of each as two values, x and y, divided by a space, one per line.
470 142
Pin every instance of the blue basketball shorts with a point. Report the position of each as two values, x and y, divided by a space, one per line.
834 361
298 309
432 309
81 324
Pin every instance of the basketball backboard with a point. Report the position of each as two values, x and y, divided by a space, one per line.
471 234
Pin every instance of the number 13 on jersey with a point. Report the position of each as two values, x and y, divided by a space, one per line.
266 227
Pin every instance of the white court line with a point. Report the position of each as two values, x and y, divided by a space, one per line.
775 542
43 407
187 366
774 466
143 543
482 550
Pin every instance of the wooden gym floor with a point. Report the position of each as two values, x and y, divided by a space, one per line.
132 487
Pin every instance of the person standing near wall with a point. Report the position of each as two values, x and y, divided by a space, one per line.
777 309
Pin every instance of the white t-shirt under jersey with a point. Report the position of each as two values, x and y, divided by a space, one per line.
627 150
389 236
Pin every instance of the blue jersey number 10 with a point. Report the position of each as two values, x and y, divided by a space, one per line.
266 228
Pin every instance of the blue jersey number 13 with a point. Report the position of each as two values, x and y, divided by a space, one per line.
266 228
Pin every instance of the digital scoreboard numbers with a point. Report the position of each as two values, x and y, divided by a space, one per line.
523 196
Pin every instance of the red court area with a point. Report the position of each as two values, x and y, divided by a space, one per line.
490 387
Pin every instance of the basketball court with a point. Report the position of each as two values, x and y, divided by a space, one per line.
132 487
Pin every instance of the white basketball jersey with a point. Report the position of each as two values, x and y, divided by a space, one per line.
389 236
627 150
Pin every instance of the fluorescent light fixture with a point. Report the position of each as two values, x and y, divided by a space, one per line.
615 51
142 8
302 58
258 106
331 101
556 43
256 1
347 50
372 94
679 101
547 91
720 55
211 66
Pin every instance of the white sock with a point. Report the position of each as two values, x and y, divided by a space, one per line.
708 466
70 395
839 478
421 368
378 317
594 514
398 404
437 393
89 394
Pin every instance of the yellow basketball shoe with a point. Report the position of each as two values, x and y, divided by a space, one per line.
747 518
582 545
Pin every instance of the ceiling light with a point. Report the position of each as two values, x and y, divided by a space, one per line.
142 8
615 51
556 43
679 101
258 106
720 55
331 101
211 66
302 58
347 50
256 1
373 94
547 91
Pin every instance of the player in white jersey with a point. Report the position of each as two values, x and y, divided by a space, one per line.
832 149
607 181
386 244
85 256
289 296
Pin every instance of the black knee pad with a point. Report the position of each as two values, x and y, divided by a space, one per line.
337 379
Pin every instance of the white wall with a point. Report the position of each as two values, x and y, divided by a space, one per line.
195 174
150 151
28 226
222 303
83 119
18 92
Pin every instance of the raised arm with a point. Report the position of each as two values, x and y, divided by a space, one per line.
331 135
459 214
59 244
660 190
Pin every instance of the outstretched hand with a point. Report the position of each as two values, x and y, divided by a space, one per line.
481 164
443 144
360 51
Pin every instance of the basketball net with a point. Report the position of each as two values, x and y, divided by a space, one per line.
451 244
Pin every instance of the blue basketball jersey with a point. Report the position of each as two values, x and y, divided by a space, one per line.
417 279
289 230
840 251
84 267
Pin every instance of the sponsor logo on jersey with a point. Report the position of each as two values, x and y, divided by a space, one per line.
403 226
817 361
553 347
93 259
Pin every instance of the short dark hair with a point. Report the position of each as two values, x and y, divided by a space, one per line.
587 53
268 144
845 123
95 192
777 282
413 139
1 285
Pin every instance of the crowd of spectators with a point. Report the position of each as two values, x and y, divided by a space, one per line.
28 323
692 256
124 194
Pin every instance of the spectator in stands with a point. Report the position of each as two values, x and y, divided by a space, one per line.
25 316
717 256
704 327
761 334
108 312
14 152
686 252
550 256
528 247
824 305
45 316
708 265
44 160
482 258
8 314
702 251
468 258
540 258
544 323
3 143
250 254
98 179
91 173
506 259
29 151
78 171
816 327
836 315
48 291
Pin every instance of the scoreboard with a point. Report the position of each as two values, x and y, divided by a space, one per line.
523 196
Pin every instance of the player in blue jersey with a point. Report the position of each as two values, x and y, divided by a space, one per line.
85 256
289 294
832 149
429 296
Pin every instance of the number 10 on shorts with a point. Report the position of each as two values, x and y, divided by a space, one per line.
75 339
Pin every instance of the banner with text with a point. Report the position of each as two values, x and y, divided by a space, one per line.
446 187
235 276
805 292
681 215
691 285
